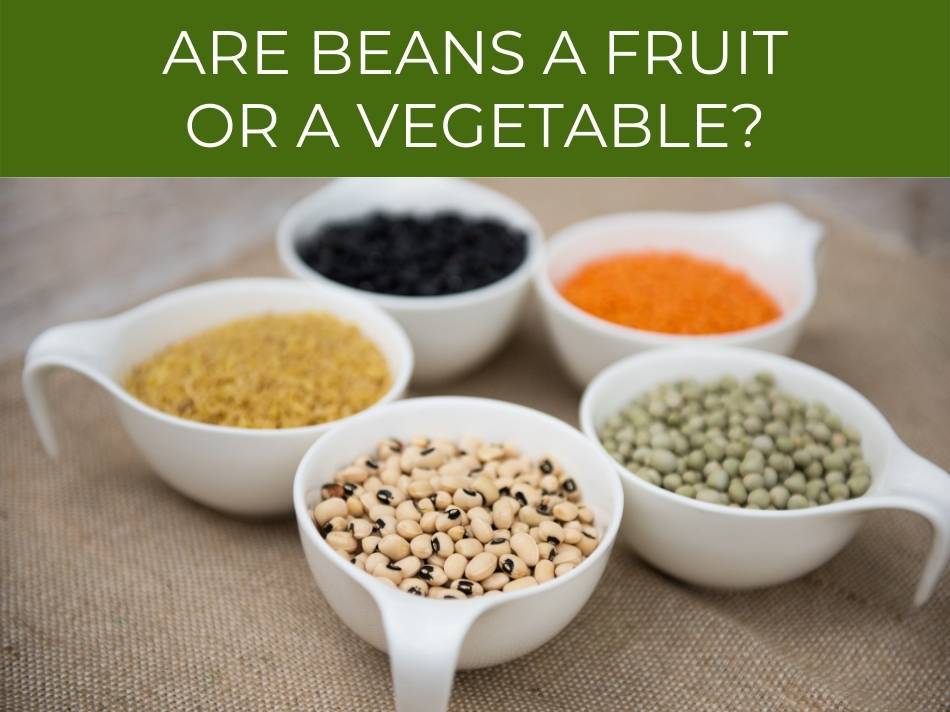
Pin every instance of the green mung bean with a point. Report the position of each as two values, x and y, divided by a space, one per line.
738 443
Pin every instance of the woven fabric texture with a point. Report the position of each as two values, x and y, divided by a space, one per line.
118 593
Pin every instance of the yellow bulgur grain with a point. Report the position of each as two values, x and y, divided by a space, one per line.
269 371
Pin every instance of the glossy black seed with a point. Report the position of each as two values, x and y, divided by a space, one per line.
465 586
454 513
508 565
425 573
384 496
349 489
433 255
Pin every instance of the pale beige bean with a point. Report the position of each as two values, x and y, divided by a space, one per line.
388 448
496 581
468 587
546 550
408 529
455 566
361 528
469 548
368 500
442 500
337 524
562 569
568 554
328 509
436 560
499 546
529 515
519 528
443 545
456 533
359 561
544 571
585 515
425 506
355 507
370 543
385 581
394 546
389 571
415 586
520 583
525 547
481 567
513 566
513 467
343 541
434 575
409 565
375 559
409 458
479 513
408 510
549 484
588 542
428 520
481 530
455 469
353 474
421 488
439 592
573 536
430 457
486 487
421 546
465 498
565 511
386 525
551 532
378 511
490 452
502 513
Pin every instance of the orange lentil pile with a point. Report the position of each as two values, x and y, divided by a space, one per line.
670 292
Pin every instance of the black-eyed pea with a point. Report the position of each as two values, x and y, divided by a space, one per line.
436 560
442 545
479 513
562 569
512 467
360 528
378 511
388 448
430 457
466 499
391 473
585 515
496 581
481 566
428 521
456 469
394 546
526 494
368 500
499 546
385 581
469 547
337 524
549 466
488 469
421 546
408 510
328 509
354 507
415 586
451 483
418 489
442 500
409 458
385 525
468 587
551 532
370 543
469 444
565 511
332 489
486 487
426 505
343 541
520 528
390 571
456 533
520 583
502 513
390 495
589 541
571 490
374 560
544 571
572 536
353 474
409 566
432 574
359 561
513 565
546 550
529 516
532 478
408 529
489 452
549 484
455 566
481 530
525 547
440 592
567 554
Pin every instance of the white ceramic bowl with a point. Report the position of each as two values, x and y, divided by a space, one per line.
242 471
727 547
426 638
774 244
450 334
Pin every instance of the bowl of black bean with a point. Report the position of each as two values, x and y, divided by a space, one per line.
744 469
450 260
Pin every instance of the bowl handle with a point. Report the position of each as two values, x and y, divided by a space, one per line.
424 638
922 487
82 347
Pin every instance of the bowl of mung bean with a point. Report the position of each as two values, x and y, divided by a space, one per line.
455 532
223 386
449 259
619 284
743 469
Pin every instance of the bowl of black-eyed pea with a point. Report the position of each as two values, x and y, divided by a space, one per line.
455 532
743 469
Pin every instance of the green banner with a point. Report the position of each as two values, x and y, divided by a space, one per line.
488 88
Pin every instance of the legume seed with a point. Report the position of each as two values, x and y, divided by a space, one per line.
328 509
469 547
394 547
562 569
520 583
443 545
455 566
469 588
496 581
513 565
415 586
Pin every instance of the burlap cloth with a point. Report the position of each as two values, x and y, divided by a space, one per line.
117 593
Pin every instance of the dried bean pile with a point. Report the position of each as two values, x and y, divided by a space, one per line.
745 444
415 256
445 520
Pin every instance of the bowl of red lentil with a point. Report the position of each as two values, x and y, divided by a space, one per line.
619 284
223 386
449 259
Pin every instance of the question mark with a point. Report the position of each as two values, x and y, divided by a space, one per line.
758 117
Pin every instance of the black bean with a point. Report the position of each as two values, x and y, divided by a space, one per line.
415 256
